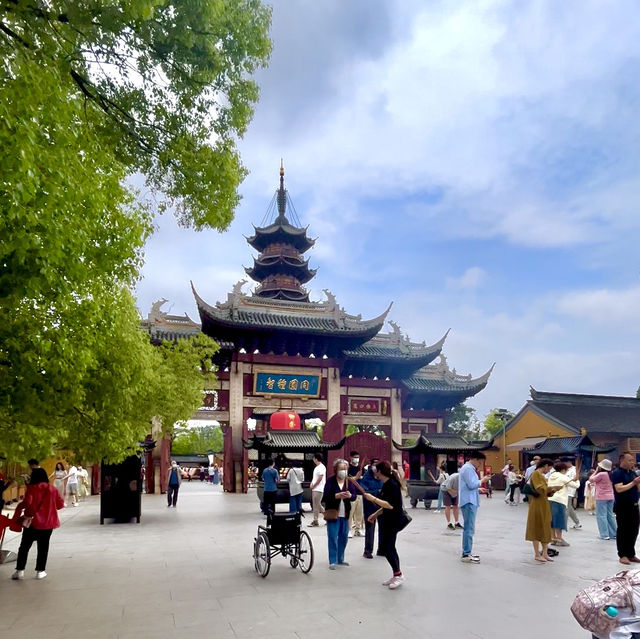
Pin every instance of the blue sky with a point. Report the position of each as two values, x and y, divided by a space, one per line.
476 163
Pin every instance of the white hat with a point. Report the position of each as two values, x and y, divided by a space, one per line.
605 464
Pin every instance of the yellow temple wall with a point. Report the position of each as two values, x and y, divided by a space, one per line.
530 424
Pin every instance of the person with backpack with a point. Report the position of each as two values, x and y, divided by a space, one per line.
450 500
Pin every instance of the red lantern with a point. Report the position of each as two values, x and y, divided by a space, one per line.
285 420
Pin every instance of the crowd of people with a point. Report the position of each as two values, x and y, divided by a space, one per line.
551 487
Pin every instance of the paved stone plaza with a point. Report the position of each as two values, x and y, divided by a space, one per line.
189 572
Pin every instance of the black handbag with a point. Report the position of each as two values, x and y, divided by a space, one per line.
529 490
404 521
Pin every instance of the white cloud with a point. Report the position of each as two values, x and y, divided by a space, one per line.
496 106
471 279
604 307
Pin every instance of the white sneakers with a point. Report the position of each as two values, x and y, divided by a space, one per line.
19 574
470 559
396 582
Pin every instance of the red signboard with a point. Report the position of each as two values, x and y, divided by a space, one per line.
365 406
285 420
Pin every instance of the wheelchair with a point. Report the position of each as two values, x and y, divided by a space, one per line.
282 536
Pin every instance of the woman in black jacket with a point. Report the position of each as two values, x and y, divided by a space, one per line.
389 500
337 499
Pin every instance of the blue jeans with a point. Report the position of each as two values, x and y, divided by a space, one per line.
607 526
469 514
295 503
337 536
439 506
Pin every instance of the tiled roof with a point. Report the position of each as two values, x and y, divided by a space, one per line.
308 317
595 413
443 442
291 440
566 445
373 350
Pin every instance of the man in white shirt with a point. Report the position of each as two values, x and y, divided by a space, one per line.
572 473
318 481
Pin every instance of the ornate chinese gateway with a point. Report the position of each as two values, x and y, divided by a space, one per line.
282 351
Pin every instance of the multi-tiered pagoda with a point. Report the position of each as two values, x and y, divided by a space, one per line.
281 351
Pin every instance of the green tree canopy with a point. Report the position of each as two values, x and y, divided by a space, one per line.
463 422
197 439
163 85
92 91
496 420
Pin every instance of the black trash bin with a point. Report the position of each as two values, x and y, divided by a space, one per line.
121 490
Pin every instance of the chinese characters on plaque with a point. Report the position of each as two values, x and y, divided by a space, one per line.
286 384
369 406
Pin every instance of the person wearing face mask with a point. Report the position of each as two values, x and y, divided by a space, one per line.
356 519
174 477
337 498
372 485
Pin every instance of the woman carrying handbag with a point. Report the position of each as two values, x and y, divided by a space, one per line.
337 499
392 518
40 506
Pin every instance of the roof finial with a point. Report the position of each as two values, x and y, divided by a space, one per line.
282 195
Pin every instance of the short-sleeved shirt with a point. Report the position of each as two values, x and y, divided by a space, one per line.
320 469
73 475
270 478
621 476
295 477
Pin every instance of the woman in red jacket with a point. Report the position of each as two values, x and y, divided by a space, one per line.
41 504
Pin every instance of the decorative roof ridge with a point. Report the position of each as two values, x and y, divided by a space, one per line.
410 349
442 372
547 397
236 301
157 316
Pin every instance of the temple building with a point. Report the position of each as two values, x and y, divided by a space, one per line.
279 350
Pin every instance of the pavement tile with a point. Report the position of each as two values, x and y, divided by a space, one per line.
189 572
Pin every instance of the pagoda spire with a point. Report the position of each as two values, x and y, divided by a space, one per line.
282 198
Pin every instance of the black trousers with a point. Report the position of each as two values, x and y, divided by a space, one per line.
269 501
172 494
387 540
41 537
628 520
369 536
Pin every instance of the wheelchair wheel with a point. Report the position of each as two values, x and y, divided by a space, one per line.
262 554
305 552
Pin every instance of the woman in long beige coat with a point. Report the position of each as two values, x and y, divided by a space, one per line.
539 517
